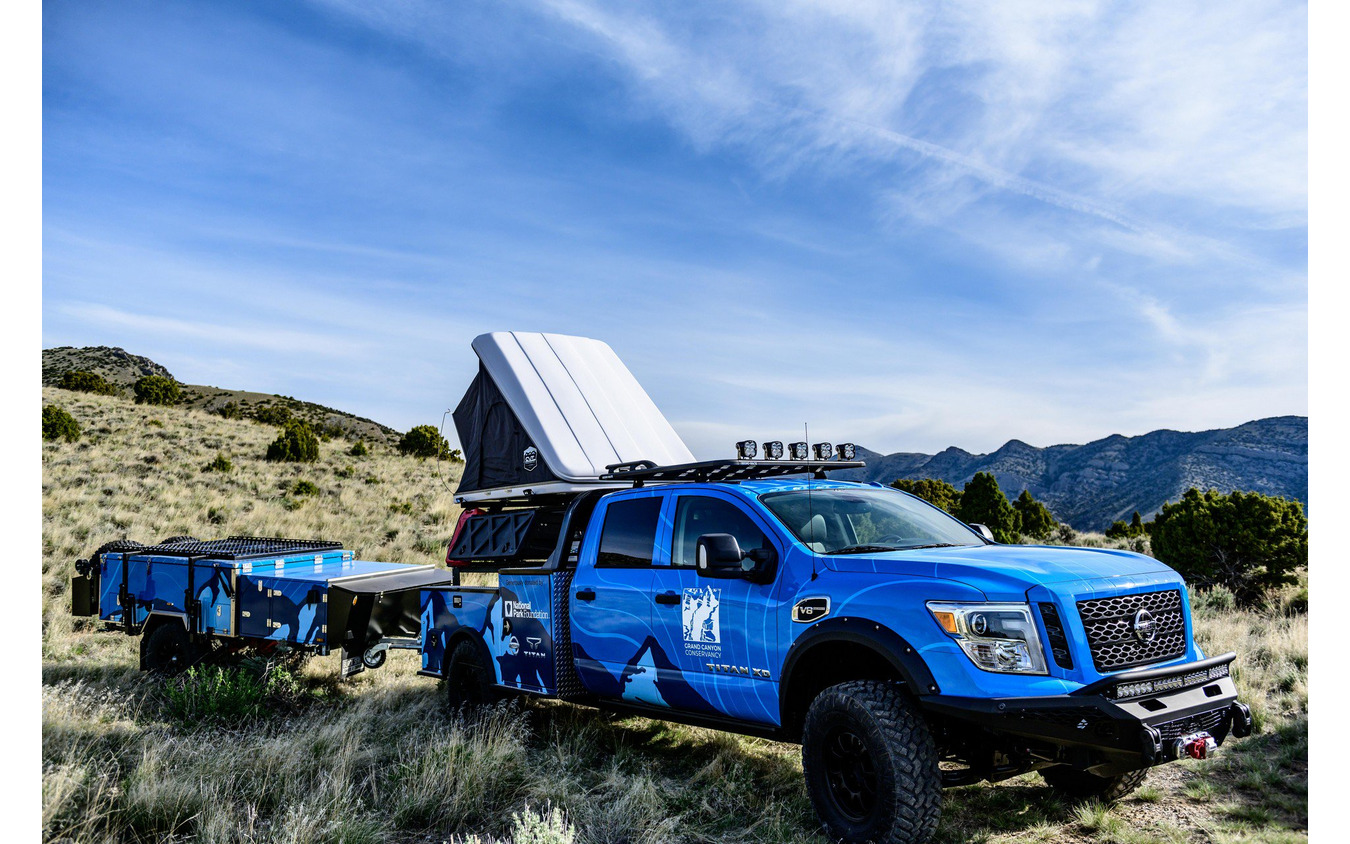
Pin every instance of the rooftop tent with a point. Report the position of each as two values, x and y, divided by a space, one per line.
549 412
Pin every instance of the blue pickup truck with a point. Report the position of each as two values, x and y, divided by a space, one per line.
877 630
904 650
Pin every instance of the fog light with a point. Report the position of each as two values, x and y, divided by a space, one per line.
799 451
773 450
747 449
847 451
823 451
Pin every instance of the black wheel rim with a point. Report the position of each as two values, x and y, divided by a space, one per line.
167 655
850 775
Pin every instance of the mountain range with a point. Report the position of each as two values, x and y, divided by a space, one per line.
1089 486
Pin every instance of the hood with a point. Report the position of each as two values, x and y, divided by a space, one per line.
1005 569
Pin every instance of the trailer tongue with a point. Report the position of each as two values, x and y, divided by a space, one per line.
188 597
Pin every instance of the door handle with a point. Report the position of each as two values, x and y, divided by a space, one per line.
668 598
586 595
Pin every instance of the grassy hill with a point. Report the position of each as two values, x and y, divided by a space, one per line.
376 759
122 369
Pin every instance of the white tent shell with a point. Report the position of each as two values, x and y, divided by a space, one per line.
578 403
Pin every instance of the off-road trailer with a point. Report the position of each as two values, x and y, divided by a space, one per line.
190 600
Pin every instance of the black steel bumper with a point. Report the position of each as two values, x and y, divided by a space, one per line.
1123 722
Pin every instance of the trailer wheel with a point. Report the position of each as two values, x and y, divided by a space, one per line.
467 682
175 539
167 649
1081 785
871 766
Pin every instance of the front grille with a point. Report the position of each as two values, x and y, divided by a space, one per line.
1206 722
1110 627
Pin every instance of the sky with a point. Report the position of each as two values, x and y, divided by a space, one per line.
910 225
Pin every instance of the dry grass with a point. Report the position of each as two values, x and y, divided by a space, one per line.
375 759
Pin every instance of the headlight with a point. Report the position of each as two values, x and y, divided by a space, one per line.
996 637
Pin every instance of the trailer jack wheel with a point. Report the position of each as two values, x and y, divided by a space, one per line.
375 657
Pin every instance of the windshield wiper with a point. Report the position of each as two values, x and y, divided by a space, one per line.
933 545
862 549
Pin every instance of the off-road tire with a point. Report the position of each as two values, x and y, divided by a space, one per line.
173 539
117 545
168 649
468 682
870 764
1081 785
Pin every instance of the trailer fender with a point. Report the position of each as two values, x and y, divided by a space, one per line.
158 617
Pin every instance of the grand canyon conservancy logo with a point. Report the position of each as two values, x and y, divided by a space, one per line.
701 614
1145 626
521 609
531 458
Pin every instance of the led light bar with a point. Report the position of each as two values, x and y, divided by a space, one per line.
799 451
773 450
1162 685
747 449
823 450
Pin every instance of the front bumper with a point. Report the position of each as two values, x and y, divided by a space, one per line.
1093 730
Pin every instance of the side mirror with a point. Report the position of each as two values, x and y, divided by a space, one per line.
983 530
720 555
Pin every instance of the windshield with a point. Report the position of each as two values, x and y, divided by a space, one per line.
857 521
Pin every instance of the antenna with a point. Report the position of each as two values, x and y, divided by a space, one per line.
810 507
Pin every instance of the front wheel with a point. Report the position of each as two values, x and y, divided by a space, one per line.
871 766
1081 785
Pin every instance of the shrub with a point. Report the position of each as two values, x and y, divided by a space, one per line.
982 502
1128 530
296 444
87 382
937 492
156 389
1244 541
220 464
57 424
270 414
226 695
304 488
359 450
1034 518
424 441
229 410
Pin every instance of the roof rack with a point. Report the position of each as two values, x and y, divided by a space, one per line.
643 471
238 548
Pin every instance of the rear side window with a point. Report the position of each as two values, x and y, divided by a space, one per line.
629 535
696 515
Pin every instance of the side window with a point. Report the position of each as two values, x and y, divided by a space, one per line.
696 515
629 535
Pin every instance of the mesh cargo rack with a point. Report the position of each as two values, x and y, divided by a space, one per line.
706 471
239 548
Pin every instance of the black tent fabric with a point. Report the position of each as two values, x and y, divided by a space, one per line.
497 451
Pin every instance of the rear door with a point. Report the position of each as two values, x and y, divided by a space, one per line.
720 633
610 600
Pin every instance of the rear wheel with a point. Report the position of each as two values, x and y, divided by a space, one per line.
1081 785
467 680
174 540
871 766
167 649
